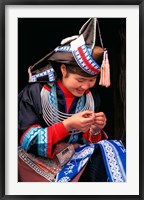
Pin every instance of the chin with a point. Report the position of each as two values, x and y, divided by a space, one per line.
78 94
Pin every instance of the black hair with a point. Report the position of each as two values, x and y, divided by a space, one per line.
77 70
72 69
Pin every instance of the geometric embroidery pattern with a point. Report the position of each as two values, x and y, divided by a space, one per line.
112 160
42 142
63 48
85 60
49 72
26 158
29 136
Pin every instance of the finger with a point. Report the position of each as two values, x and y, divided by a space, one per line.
100 121
87 113
100 124
100 114
102 118
87 124
89 120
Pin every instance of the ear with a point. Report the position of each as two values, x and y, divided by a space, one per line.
63 69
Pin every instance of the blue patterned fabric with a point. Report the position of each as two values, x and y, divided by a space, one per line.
49 72
114 156
63 49
42 142
80 104
86 56
52 97
67 49
29 136
79 159
36 134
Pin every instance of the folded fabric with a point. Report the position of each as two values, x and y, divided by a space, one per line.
114 156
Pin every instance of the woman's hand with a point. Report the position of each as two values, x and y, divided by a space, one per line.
81 121
99 122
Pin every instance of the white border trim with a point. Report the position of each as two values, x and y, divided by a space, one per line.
131 187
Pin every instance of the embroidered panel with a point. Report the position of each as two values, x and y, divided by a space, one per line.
114 155
43 142
29 137
45 167
85 60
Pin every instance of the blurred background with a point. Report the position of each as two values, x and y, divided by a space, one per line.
39 36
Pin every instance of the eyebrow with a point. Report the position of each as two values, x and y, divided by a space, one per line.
85 78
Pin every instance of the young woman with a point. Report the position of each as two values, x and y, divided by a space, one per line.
60 123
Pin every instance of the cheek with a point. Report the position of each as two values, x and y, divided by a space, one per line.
73 83
92 83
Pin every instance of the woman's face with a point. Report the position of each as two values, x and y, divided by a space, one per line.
76 84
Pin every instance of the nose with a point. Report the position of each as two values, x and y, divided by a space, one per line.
85 86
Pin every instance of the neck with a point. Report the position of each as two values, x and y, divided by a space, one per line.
66 92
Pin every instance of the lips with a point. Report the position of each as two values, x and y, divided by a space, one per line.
80 91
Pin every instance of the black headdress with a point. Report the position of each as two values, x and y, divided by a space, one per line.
78 50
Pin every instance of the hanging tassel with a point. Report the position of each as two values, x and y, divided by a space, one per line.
102 70
105 71
102 74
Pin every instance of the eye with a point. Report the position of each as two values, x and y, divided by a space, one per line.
80 80
92 80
